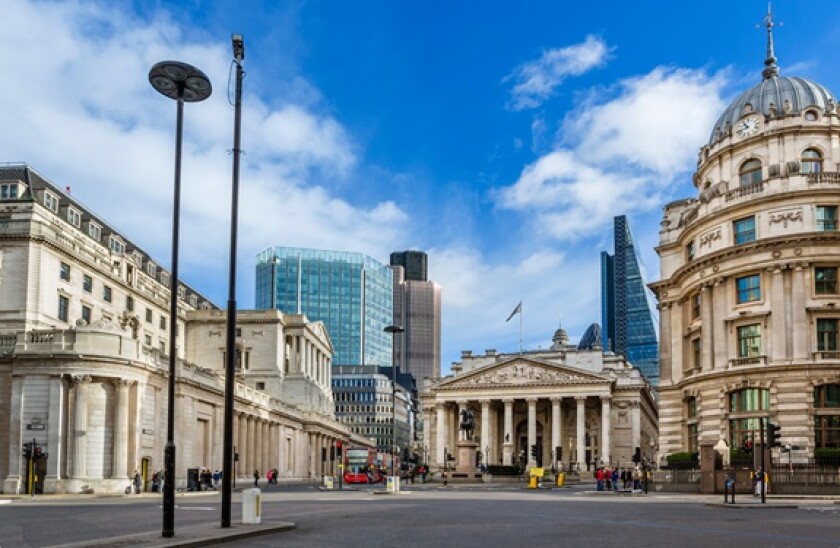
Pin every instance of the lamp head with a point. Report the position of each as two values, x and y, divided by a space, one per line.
180 80
238 46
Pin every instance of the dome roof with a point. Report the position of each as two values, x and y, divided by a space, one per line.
774 96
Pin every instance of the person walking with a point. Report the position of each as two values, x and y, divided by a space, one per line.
256 478
138 482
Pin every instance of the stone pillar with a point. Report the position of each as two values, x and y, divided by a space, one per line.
532 430
241 446
507 448
605 429
665 344
250 445
440 441
556 422
119 468
485 429
799 319
274 443
635 425
581 432
779 351
80 417
56 433
706 350
721 342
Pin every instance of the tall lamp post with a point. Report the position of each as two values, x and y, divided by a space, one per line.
184 83
230 346
393 330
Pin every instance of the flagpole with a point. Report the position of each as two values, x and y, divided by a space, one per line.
520 328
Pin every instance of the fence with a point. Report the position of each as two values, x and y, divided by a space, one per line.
676 480
805 478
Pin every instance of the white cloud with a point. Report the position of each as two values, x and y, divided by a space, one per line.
536 81
619 153
80 110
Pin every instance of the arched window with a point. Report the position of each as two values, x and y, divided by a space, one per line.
750 172
811 161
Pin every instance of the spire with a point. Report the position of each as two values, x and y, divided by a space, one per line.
771 69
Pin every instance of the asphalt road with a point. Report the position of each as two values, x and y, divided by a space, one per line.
463 517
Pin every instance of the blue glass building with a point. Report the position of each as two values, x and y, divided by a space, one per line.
629 324
350 292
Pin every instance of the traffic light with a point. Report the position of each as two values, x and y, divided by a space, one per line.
236 457
773 435
332 453
637 456
558 452
338 450
27 449
534 451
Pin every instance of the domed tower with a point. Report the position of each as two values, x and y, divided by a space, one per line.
560 338
749 302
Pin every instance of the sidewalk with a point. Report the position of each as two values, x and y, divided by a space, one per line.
193 535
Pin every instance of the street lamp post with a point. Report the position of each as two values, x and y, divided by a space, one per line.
230 345
184 83
393 330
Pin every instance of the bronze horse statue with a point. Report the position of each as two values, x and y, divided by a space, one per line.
468 423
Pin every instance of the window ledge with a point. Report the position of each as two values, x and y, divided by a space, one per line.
747 315
752 360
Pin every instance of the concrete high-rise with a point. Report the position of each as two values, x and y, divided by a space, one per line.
415 264
629 324
417 307
350 292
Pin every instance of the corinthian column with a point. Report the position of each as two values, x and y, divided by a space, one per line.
119 468
581 432
532 430
485 428
507 448
605 429
442 434
80 419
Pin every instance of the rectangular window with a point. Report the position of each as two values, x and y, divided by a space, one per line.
163 322
106 294
162 345
744 230
826 334
116 245
65 272
74 217
825 280
94 231
86 315
129 303
696 353
696 300
689 251
749 341
149 315
87 284
827 395
826 218
148 339
749 288
693 445
63 307
9 191
164 278
51 201
151 269
827 431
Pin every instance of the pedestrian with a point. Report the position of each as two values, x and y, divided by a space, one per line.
615 479
423 473
256 478
138 482
162 475
274 475
217 478
637 479
599 478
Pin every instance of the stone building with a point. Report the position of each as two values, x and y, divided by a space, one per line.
84 359
596 406
749 301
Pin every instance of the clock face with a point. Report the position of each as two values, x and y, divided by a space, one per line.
748 126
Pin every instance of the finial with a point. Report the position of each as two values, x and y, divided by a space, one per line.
771 69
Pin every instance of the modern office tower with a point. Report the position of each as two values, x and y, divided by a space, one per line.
749 292
629 324
417 309
350 292
414 263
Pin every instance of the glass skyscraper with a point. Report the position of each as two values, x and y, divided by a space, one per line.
350 292
629 323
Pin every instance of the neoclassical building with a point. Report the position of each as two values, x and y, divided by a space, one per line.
84 360
594 405
749 299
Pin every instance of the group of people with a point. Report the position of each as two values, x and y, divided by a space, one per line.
270 476
615 478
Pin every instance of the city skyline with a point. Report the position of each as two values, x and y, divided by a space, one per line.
500 142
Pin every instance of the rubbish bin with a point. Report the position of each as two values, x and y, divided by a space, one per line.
193 480
328 482
393 484
561 479
251 506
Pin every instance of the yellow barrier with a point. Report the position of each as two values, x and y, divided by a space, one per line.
561 479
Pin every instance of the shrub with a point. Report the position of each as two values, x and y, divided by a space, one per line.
827 452
499 470
681 457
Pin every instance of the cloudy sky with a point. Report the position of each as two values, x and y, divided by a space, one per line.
501 138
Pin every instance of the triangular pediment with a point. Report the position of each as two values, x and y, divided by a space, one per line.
520 371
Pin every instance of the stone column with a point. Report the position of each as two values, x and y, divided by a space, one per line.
777 317
507 448
119 468
241 466
485 429
706 350
440 441
799 319
556 422
721 342
581 432
532 430
274 443
635 426
56 433
605 429
250 441
80 417
665 345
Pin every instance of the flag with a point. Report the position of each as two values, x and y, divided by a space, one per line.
516 311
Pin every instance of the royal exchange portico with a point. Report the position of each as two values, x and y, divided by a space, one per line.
598 410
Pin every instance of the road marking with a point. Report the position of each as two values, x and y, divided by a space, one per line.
203 508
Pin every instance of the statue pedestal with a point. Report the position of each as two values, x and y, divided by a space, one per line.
466 462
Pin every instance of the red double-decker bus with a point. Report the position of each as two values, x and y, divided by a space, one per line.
360 466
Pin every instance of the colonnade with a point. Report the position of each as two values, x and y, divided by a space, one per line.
307 358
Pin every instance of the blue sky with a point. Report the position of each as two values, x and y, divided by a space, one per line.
500 138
